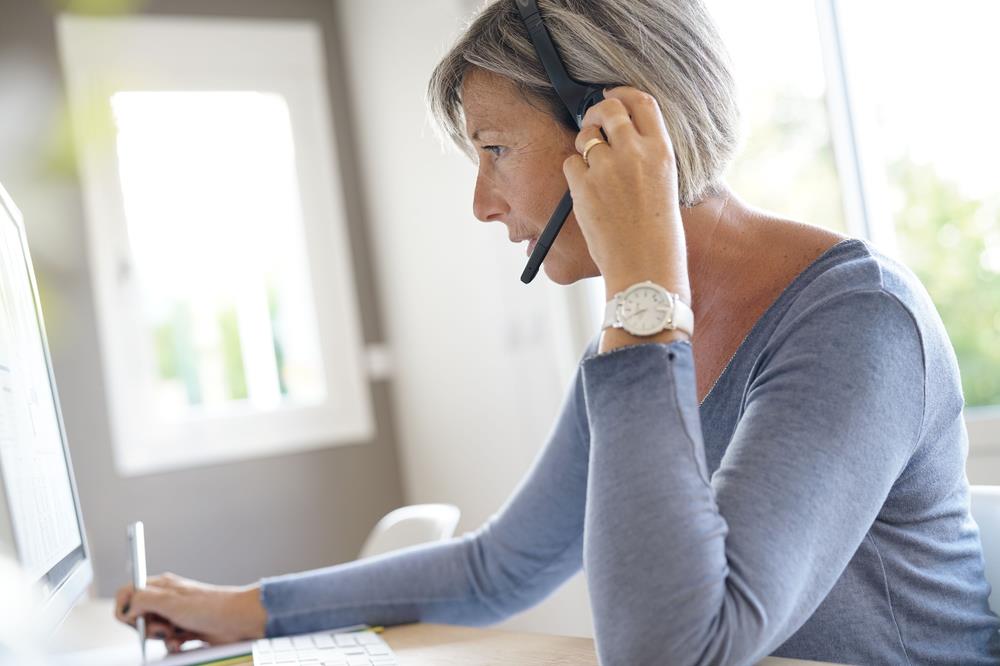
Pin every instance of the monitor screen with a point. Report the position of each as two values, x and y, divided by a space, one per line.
40 522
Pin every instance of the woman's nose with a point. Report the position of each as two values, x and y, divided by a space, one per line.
487 204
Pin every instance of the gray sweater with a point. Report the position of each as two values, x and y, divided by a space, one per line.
814 506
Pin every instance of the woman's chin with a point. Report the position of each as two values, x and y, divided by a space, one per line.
566 270
558 273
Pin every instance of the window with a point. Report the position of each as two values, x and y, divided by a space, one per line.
786 162
223 276
927 122
218 244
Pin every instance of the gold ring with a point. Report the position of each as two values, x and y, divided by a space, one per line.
588 146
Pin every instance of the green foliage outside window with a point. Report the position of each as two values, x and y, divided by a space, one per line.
952 242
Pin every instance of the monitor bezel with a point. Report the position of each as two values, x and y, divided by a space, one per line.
60 596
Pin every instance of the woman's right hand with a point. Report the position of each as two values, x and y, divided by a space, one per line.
178 610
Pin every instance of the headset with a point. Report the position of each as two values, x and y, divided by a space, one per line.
577 97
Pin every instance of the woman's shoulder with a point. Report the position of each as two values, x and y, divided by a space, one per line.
857 291
854 269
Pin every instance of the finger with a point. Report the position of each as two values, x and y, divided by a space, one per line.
611 116
177 636
151 600
183 635
585 136
171 629
575 170
159 629
647 117
122 597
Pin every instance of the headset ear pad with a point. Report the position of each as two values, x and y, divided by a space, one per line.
592 97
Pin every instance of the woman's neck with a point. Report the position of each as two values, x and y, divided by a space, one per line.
738 254
715 233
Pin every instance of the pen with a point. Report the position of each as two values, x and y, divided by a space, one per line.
137 559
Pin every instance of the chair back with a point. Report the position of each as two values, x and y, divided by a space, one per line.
985 504
410 526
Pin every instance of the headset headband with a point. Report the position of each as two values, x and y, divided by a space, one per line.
577 97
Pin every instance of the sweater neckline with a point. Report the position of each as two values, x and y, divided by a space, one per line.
790 289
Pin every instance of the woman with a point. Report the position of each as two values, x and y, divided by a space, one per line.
788 480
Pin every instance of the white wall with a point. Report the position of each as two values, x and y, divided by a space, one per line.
481 360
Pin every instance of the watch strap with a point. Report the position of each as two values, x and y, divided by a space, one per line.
683 316
611 311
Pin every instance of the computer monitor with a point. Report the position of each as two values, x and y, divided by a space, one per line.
40 522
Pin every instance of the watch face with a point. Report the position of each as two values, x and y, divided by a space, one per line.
645 310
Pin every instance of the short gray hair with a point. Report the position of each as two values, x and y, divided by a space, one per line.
667 48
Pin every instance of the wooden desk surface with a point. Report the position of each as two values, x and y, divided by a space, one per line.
91 626
420 644
440 645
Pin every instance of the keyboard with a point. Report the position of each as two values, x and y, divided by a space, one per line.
324 648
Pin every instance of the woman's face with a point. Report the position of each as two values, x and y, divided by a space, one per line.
520 150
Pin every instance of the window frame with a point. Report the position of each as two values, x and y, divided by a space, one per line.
103 55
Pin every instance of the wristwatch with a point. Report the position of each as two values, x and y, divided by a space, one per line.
646 309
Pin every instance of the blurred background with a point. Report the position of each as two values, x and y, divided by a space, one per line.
273 317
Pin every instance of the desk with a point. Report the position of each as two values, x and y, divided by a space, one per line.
441 645
91 627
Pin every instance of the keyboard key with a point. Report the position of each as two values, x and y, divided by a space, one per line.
324 641
345 640
281 643
302 642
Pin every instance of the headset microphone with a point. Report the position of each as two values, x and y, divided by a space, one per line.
577 97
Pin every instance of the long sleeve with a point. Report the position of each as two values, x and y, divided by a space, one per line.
684 569
515 560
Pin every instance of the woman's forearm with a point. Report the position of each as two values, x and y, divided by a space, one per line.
532 545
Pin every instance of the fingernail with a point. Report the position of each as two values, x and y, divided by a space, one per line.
125 608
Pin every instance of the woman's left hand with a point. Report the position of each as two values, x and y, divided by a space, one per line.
626 200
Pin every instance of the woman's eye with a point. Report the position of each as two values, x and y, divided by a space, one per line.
494 150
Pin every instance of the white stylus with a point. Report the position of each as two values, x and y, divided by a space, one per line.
137 559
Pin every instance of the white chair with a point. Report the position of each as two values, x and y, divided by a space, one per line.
985 504
411 525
